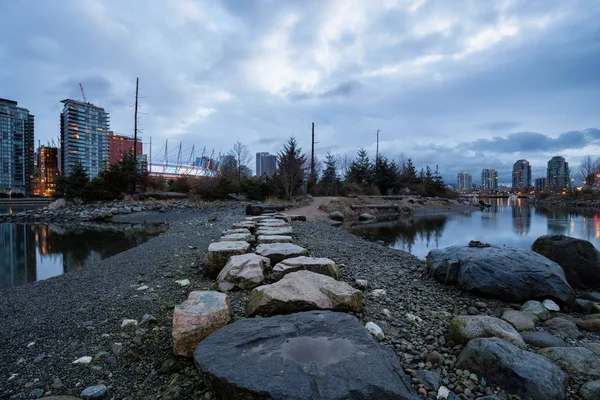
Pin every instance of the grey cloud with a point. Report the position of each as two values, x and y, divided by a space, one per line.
344 89
535 142
500 125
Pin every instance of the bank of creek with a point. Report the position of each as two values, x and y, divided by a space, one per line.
48 324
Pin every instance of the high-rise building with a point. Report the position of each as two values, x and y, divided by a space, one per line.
266 164
16 149
464 182
118 145
489 179
540 184
557 174
521 176
46 171
142 163
84 137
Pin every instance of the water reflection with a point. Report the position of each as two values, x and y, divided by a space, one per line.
512 223
33 252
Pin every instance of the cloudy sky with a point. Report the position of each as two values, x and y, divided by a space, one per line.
462 84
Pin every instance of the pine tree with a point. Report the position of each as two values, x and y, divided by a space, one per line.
291 162
330 181
361 169
76 181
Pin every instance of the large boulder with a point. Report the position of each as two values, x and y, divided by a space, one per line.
245 271
465 327
200 315
277 252
318 265
562 327
307 355
303 291
522 373
218 254
506 273
57 204
578 258
575 360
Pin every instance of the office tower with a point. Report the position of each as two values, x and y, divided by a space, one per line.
83 135
489 179
557 174
464 182
118 145
16 149
266 164
540 184
521 176
47 170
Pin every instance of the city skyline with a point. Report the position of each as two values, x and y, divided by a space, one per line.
483 84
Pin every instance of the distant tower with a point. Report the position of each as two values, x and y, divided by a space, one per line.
557 174
521 176
266 164
464 182
489 179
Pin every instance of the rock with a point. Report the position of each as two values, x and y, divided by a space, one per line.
128 322
238 237
366 217
183 282
593 347
200 315
94 392
537 309
480 304
266 230
578 258
593 296
443 393
550 305
522 373
136 209
574 360
218 254
506 273
298 218
307 355
336 216
321 265
35 394
464 328
429 379
211 218
83 360
272 222
301 291
435 358
562 327
245 271
277 252
251 226
362 283
542 339
266 239
590 325
147 319
520 320
583 306
590 390
375 330
233 231
57 204
377 293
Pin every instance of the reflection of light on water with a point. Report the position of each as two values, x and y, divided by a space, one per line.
597 225
572 226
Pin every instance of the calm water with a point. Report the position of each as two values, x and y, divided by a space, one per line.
14 209
511 223
34 252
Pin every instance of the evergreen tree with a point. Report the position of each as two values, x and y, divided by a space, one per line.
330 181
361 169
290 168
76 182
385 175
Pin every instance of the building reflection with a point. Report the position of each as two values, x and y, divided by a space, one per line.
521 217
17 255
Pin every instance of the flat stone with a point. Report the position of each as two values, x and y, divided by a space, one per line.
317 265
307 355
277 252
464 328
251 226
536 308
83 360
550 305
218 254
201 314
237 230
574 360
302 291
562 327
520 320
542 339
272 223
245 271
267 239
238 237
94 392
267 230
522 373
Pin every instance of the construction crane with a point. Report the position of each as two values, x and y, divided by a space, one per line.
82 93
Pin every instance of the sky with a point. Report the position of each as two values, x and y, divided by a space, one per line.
464 85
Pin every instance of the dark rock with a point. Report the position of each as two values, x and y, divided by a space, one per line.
575 360
506 273
315 354
591 325
366 217
542 339
562 327
431 380
36 393
336 216
583 306
590 391
578 258
94 392
522 373
593 296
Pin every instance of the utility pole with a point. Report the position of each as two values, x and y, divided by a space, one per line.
150 157
312 155
137 81
377 150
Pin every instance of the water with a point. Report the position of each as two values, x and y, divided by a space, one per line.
512 223
17 208
34 252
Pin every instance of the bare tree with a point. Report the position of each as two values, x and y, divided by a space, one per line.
242 156
588 170
343 162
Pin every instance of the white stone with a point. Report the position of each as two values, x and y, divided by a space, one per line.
413 318
375 330
268 230
31 344
550 305
443 393
128 322
183 282
362 283
83 360
143 287
378 292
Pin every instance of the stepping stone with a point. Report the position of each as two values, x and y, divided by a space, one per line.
251 226
307 355
274 230
218 254
266 239
244 272
257 218
277 252
542 339
200 315
238 237
236 230
323 266
302 291
272 222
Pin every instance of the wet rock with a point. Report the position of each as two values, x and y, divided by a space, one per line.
317 265
464 328
336 216
301 291
317 354
218 254
245 271
590 390
578 258
542 339
375 330
521 321
562 327
430 380
94 392
575 360
550 305
506 273
266 239
277 252
522 373
366 217
537 309
200 315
